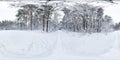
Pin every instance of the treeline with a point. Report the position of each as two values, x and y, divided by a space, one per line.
117 26
86 18
8 25
35 17
79 18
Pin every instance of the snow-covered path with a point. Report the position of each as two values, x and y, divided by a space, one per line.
59 45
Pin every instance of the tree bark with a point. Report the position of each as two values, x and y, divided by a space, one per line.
43 22
31 20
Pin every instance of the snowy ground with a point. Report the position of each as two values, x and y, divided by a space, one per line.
59 45
26 44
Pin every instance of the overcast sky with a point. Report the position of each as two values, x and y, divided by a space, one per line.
7 12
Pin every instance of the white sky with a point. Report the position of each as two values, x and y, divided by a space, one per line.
7 12
114 12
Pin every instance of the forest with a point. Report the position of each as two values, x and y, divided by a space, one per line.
45 17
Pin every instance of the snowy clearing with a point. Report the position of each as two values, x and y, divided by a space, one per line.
88 44
26 44
58 45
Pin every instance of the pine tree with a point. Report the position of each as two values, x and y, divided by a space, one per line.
31 10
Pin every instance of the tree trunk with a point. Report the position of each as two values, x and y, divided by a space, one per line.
47 25
31 20
43 22
84 22
20 26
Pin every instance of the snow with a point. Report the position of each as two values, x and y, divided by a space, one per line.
59 45
88 44
26 44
